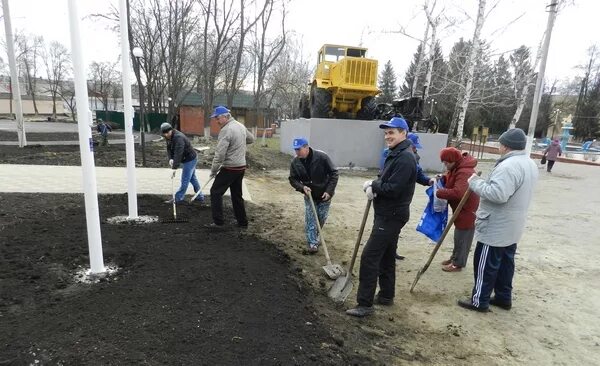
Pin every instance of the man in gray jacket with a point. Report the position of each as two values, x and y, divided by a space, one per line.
500 220
228 167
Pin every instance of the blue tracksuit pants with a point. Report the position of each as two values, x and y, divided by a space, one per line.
493 269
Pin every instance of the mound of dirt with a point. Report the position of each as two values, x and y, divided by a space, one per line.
180 294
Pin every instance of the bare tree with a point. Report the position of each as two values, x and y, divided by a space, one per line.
66 91
468 77
57 61
246 25
287 80
267 50
217 35
175 23
29 51
102 78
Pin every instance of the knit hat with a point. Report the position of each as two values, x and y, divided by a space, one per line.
514 139
165 127
450 154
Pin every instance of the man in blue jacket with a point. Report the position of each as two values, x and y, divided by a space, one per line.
392 193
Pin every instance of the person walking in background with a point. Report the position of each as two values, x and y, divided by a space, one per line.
552 152
505 197
312 173
459 168
103 129
181 153
392 193
228 168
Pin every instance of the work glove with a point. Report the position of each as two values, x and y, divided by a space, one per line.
171 163
367 184
173 175
370 194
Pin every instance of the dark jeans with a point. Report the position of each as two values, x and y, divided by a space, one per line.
494 268
378 259
550 165
232 180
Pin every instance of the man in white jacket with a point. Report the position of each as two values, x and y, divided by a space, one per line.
228 167
500 220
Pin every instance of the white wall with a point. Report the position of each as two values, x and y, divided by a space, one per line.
43 106
354 141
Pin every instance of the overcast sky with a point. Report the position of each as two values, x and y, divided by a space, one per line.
372 23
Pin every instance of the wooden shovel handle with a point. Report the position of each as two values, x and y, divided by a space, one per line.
359 238
314 210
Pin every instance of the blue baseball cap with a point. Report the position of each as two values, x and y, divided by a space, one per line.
299 142
414 138
219 111
395 122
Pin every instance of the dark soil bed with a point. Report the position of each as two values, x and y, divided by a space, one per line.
181 295
114 155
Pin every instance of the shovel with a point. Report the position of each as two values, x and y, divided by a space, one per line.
342 287
333 271
174 219
462 202
200 190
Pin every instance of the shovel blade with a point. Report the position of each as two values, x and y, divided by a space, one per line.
333 271
341 289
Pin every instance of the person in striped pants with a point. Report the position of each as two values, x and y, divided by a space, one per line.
505 197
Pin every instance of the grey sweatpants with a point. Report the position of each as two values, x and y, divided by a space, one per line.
462 245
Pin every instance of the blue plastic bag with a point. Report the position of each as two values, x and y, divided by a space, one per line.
432 224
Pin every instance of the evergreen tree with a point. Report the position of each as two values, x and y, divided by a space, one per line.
587 121
406 88
387 84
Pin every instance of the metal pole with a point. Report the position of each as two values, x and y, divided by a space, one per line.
86 147
540 76
128 109
16 91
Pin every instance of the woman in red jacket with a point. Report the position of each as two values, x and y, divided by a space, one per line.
459 166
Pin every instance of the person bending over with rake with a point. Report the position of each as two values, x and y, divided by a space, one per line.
181 153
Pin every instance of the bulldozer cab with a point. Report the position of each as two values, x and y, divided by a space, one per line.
333 53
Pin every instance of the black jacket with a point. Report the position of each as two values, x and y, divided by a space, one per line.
320 177
395 184
180 149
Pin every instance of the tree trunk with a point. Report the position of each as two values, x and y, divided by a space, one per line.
463 100
54 106
419 64
430 63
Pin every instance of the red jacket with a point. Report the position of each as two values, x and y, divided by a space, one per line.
456 185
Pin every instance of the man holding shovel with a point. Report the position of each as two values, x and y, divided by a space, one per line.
500 220
392 193
228 168
313 174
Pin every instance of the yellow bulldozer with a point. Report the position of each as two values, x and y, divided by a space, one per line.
344 85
